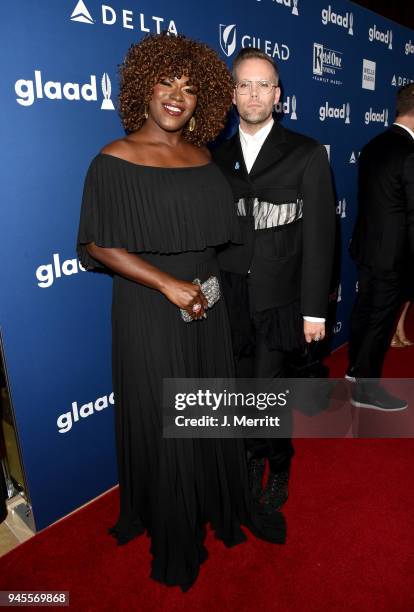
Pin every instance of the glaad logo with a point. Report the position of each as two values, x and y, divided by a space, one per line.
384 37
81 13
335 112
288 3
228 43
345 21
326 63
28 90
399 81
354 156
66 420
339 293
287 107
368 74
409 47
107 103
109 16
337 327
341 208
46 273
378 117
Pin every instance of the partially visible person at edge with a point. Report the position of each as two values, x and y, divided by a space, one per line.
382 246
154 210
277 282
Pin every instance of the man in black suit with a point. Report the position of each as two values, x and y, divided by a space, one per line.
276 284
382 244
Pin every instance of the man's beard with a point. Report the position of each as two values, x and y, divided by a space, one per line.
255 117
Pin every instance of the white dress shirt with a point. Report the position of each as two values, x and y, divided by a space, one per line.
251 145
404 127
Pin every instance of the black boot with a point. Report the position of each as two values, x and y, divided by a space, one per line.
276 491
256 468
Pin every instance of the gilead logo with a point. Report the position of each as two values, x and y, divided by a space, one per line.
66 420
47 273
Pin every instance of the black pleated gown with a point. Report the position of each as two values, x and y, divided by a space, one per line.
170 488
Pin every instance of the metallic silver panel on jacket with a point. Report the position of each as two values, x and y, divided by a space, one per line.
267 214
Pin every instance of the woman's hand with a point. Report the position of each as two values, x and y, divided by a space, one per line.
181 293
187 296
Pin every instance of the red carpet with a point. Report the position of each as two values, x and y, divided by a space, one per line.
350 542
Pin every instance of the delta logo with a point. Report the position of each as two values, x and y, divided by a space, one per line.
127 19
400 81
353 158
29 91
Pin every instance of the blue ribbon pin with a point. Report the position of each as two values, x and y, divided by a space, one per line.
237 166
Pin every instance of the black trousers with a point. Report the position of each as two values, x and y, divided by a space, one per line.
266 364
372 321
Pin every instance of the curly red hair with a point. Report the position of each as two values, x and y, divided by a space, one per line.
162 55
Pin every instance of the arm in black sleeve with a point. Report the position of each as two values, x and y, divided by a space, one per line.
318 233
409 193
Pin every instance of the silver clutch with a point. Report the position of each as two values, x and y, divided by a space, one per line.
211 291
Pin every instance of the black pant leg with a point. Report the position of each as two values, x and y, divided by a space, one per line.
372 322
279 451
360 315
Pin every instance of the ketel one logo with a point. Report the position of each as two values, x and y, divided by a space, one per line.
287 107
228 39
384 37
409 48
345 21
29 90
376 117
400 81
335 112
326 63
341 208
293 4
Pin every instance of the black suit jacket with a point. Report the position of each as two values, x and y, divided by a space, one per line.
293 261
383 236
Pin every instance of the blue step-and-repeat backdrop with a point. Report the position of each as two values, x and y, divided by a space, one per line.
340 66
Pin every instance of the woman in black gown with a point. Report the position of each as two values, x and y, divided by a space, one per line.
154 209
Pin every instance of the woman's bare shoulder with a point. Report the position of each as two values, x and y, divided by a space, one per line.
118 148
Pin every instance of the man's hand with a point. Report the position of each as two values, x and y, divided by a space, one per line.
313 331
